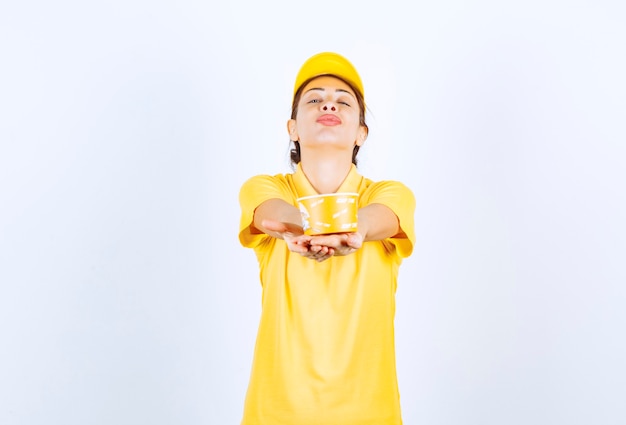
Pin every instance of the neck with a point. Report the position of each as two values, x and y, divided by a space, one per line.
326 174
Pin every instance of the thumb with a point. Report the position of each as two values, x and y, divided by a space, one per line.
354 240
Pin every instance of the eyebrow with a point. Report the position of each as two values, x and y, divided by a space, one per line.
336 90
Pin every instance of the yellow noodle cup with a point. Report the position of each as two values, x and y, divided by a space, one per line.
329 213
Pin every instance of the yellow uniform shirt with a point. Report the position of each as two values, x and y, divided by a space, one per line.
325 350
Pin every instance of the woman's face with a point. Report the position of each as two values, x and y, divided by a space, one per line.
328 115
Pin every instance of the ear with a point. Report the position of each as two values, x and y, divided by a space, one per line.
292 130
361 136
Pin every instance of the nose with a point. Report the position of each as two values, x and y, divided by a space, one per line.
329 106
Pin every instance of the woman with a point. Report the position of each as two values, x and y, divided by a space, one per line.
325 351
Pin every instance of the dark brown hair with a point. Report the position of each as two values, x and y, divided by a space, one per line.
295 152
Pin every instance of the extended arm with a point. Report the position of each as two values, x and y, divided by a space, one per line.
277 211
281 220
377 222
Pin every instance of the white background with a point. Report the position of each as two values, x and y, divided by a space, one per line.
127 128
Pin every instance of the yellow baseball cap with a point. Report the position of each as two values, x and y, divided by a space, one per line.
329 63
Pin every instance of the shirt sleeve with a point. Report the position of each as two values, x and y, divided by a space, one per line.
399 198
253 193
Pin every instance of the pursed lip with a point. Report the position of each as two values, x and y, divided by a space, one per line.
329 119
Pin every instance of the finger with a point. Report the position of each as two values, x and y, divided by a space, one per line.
319 249
325 257
303 240
299 249
325 254
322 251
